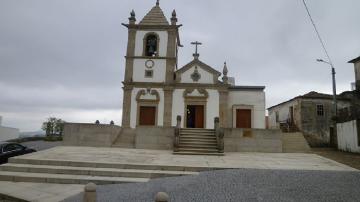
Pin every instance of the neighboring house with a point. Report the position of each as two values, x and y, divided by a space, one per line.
156 91
348 121
310 113
7 133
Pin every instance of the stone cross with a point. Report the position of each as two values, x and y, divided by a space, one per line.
196 43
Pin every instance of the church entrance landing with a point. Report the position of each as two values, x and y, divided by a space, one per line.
195 116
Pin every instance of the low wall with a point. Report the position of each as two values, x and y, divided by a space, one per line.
161 138
252 140
348 136
84 134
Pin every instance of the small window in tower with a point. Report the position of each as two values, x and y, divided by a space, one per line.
151 45
148 73
320 110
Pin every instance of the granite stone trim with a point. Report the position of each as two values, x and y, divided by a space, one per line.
199 101
130 52
126 106
223 106
178 85
168 100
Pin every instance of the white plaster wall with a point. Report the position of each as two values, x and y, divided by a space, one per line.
159 71
160 110
178 105
347 136
139 42
206 77
253 99
284 113
212 108
7 133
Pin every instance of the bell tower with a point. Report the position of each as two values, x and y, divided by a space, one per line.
151 60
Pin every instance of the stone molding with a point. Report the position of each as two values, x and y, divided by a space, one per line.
147 91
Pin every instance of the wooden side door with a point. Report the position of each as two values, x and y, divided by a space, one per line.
147 116
243 118
199 116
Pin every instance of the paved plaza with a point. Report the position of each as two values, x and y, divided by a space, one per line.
287 161
247 176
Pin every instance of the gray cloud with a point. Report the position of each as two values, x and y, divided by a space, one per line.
66 58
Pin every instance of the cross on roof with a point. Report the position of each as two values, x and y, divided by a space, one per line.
196 43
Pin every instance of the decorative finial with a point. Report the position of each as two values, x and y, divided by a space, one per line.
225 72
132 18
173 18
157 2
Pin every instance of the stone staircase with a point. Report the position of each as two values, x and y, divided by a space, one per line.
295 143
194 141
70 172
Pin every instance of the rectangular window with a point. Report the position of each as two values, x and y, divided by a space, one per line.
148 73
320 110
277 117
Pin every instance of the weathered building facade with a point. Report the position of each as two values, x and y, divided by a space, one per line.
310 113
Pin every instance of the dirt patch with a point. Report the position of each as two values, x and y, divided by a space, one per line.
350 159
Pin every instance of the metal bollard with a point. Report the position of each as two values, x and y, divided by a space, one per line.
90 192
162 197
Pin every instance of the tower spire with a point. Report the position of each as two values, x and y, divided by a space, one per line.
157 2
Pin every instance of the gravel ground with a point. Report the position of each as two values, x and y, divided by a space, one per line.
240 185
41 145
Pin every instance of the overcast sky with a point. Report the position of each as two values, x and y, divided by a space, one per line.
65 58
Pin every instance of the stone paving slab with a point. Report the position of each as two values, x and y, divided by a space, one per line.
40 192
287 161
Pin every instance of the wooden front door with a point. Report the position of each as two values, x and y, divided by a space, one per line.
243 118
195 116
147 116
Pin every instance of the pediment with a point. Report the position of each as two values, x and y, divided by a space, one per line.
197 72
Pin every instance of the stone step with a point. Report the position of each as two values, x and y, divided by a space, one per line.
198 153
91 164
198 150
200 134
197 129
194 137
108 172
201 141
196 146
65 179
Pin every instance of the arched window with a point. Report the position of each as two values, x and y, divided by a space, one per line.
151 45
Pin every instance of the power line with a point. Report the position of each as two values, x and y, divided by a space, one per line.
317 32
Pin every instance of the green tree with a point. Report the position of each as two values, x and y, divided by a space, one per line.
53 126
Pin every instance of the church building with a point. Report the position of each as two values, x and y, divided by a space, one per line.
157 90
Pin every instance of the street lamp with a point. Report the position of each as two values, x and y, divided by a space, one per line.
333 83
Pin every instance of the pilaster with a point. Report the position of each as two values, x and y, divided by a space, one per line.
126 106
223 108
168 100
129 68
171 53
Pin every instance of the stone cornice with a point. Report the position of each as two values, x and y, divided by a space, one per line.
149 57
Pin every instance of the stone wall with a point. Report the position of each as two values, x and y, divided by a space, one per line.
252 140
85 134
160 138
